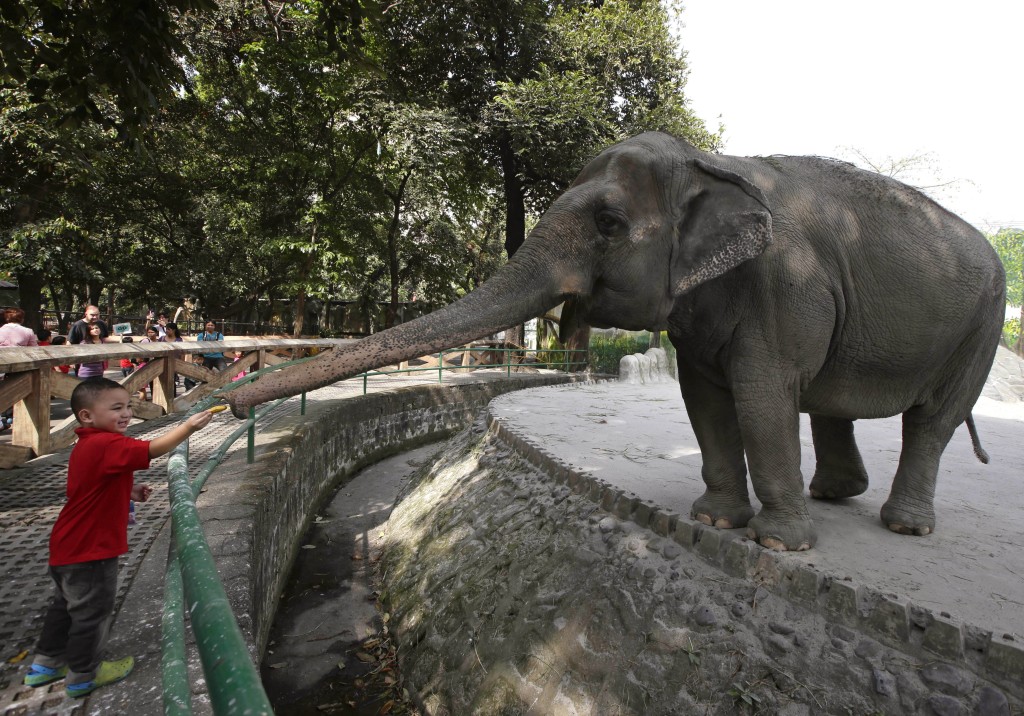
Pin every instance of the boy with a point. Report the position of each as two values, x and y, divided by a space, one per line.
90 534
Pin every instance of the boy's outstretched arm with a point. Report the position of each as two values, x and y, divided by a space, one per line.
169 440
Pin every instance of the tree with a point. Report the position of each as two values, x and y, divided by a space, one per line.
1009 244
919 170
543 84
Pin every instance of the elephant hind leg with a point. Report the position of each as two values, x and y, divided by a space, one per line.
839 470
910 508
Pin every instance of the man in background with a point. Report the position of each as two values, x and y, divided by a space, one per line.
80 329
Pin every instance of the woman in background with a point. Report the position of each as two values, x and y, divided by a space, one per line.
93 336
12 333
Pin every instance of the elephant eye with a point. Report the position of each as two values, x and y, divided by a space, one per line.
609 223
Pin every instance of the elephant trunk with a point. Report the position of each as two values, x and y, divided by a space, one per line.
516 293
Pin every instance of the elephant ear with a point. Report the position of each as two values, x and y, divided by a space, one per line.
724 224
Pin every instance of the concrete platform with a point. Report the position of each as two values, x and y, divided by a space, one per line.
638 439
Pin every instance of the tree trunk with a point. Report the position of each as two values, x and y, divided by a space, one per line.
110 308
93 290
1020 332
300 313
30 294
391 315
515 219
515 200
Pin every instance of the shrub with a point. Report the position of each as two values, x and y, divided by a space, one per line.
607 349
1011 333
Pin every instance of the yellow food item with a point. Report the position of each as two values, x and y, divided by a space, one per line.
217 408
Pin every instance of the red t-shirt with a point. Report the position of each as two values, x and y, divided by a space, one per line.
93 524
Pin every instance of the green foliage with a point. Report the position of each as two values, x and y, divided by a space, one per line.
318 149
1011 332
743 694
606 350
1009 244
98 62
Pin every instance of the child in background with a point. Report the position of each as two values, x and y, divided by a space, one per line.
238 357
91 533
60 341
127 367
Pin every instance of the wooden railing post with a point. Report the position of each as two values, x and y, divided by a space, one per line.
163 386
32 414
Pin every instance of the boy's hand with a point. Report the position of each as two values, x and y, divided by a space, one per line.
141 493
200 420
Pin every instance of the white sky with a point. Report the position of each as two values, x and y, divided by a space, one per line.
890 78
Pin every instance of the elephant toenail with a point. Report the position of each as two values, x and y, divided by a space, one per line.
723 524
704 519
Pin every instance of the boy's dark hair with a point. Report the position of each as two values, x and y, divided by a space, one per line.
43 334
89 390
126 339
58 340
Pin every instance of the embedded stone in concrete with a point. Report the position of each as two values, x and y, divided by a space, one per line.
687 532
805 584
890 618
945 638
842 602
1006 657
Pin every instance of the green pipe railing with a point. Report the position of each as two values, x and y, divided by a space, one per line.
233 680
508 363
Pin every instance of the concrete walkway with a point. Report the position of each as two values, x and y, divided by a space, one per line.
30 500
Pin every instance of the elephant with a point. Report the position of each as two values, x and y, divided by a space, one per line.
787 284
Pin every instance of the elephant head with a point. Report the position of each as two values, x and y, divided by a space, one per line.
647 220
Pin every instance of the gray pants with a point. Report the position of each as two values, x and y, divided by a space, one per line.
78 621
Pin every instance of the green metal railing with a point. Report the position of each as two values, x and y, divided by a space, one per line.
233 680
508 363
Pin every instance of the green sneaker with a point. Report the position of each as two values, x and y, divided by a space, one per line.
42 675
109 672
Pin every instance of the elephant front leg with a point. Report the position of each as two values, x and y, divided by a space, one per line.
839 470
726 502
770 422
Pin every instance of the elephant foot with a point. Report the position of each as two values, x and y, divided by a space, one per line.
720 512
833 485
901 517
782 533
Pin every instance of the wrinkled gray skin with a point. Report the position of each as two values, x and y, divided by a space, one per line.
787 285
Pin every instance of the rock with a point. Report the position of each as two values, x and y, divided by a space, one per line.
608 524
943 705
740 609
704 616
867 649
947 678
992 702
779 643
843 633
884 683
671 550
781 628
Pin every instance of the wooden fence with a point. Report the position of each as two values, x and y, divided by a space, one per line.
31 382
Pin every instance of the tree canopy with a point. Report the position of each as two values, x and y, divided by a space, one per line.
258 154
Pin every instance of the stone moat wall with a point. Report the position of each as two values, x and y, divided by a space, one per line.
254 515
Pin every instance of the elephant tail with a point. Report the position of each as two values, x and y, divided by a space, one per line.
978 449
